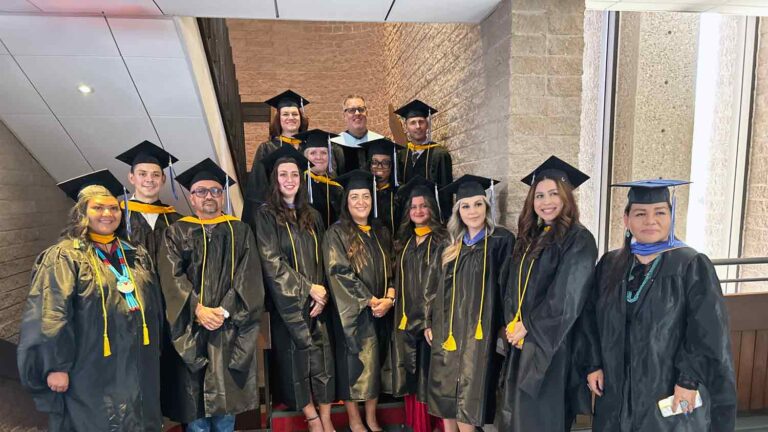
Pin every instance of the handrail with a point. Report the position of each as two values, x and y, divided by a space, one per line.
740 261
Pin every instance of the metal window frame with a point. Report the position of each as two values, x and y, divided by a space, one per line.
606 120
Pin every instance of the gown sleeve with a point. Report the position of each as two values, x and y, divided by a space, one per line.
705 354
47 338
245 301
256 185
288 287
587 337
551 321
350 294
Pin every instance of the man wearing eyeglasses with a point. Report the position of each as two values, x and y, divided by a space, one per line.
348 154
210 274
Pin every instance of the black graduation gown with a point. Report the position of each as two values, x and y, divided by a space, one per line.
301 354
417 276
363 368
257 185
221 376
679 328
62 331
539 380
326 199
434 164
388 208
349 158
462 383
142 232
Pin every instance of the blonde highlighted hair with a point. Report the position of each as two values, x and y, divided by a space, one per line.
456 229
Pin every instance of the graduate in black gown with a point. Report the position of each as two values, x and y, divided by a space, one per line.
551 274
211 279
324 192
382 160
418 255
289 233
657 327
146 216
357 265
466 313
422 156
89 346
289 120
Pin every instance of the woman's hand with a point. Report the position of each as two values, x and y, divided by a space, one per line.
517 334
428 336
683 394
596 381
58 381
383 306
319 294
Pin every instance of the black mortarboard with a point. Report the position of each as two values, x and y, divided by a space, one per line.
287 98
417 186
415 108
555 168
650 191
356 179
383 146
105 178
205 170
468 186
147 152
286 151
315 138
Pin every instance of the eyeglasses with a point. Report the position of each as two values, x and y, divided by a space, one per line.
203 192
355 110
381 164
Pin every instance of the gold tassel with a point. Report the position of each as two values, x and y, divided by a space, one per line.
479 331
107 350
403 322
146 335
511 325
450 343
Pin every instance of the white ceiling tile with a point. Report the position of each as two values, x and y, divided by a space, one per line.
147 37
17 6
57 79
660 7
187 138
165 86
440 10
17 96
3 51
741 10
107 7
763 3
44 137
599 5
338 10
103 138
260 9
49 35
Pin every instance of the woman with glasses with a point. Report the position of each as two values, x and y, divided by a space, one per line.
466 312
89 345
289 233
357 265
288 121
382 154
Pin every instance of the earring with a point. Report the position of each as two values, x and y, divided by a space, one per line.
627 234
539 221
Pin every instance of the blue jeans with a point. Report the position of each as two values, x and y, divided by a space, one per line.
223 423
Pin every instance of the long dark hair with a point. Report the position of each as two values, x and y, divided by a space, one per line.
529 236
350 230
275 129
404 232
301 213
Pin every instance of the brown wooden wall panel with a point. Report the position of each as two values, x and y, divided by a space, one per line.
746 364
757 397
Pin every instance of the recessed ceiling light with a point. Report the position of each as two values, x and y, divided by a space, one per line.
85 89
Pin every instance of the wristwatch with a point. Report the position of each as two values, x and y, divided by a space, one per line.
394 300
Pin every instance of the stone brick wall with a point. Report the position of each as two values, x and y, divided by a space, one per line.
322 61
32 213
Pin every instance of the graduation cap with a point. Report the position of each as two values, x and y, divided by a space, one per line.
650 191
360 179
386 147
286 151
105 178
207 170
556 169
288 98
468 186
419 186
415 108
149 152
318 138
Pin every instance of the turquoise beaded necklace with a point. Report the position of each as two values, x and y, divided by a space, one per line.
632 298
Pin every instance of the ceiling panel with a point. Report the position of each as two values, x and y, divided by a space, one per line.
186 138
57 78
337 10
165 86
661 7
49 35
3 51
146 37
100 140
44 137
17 96
17 6
261 9
441 10
107 7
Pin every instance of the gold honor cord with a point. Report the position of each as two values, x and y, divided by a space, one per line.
521 294
383 258
416 147
424 231
204 222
